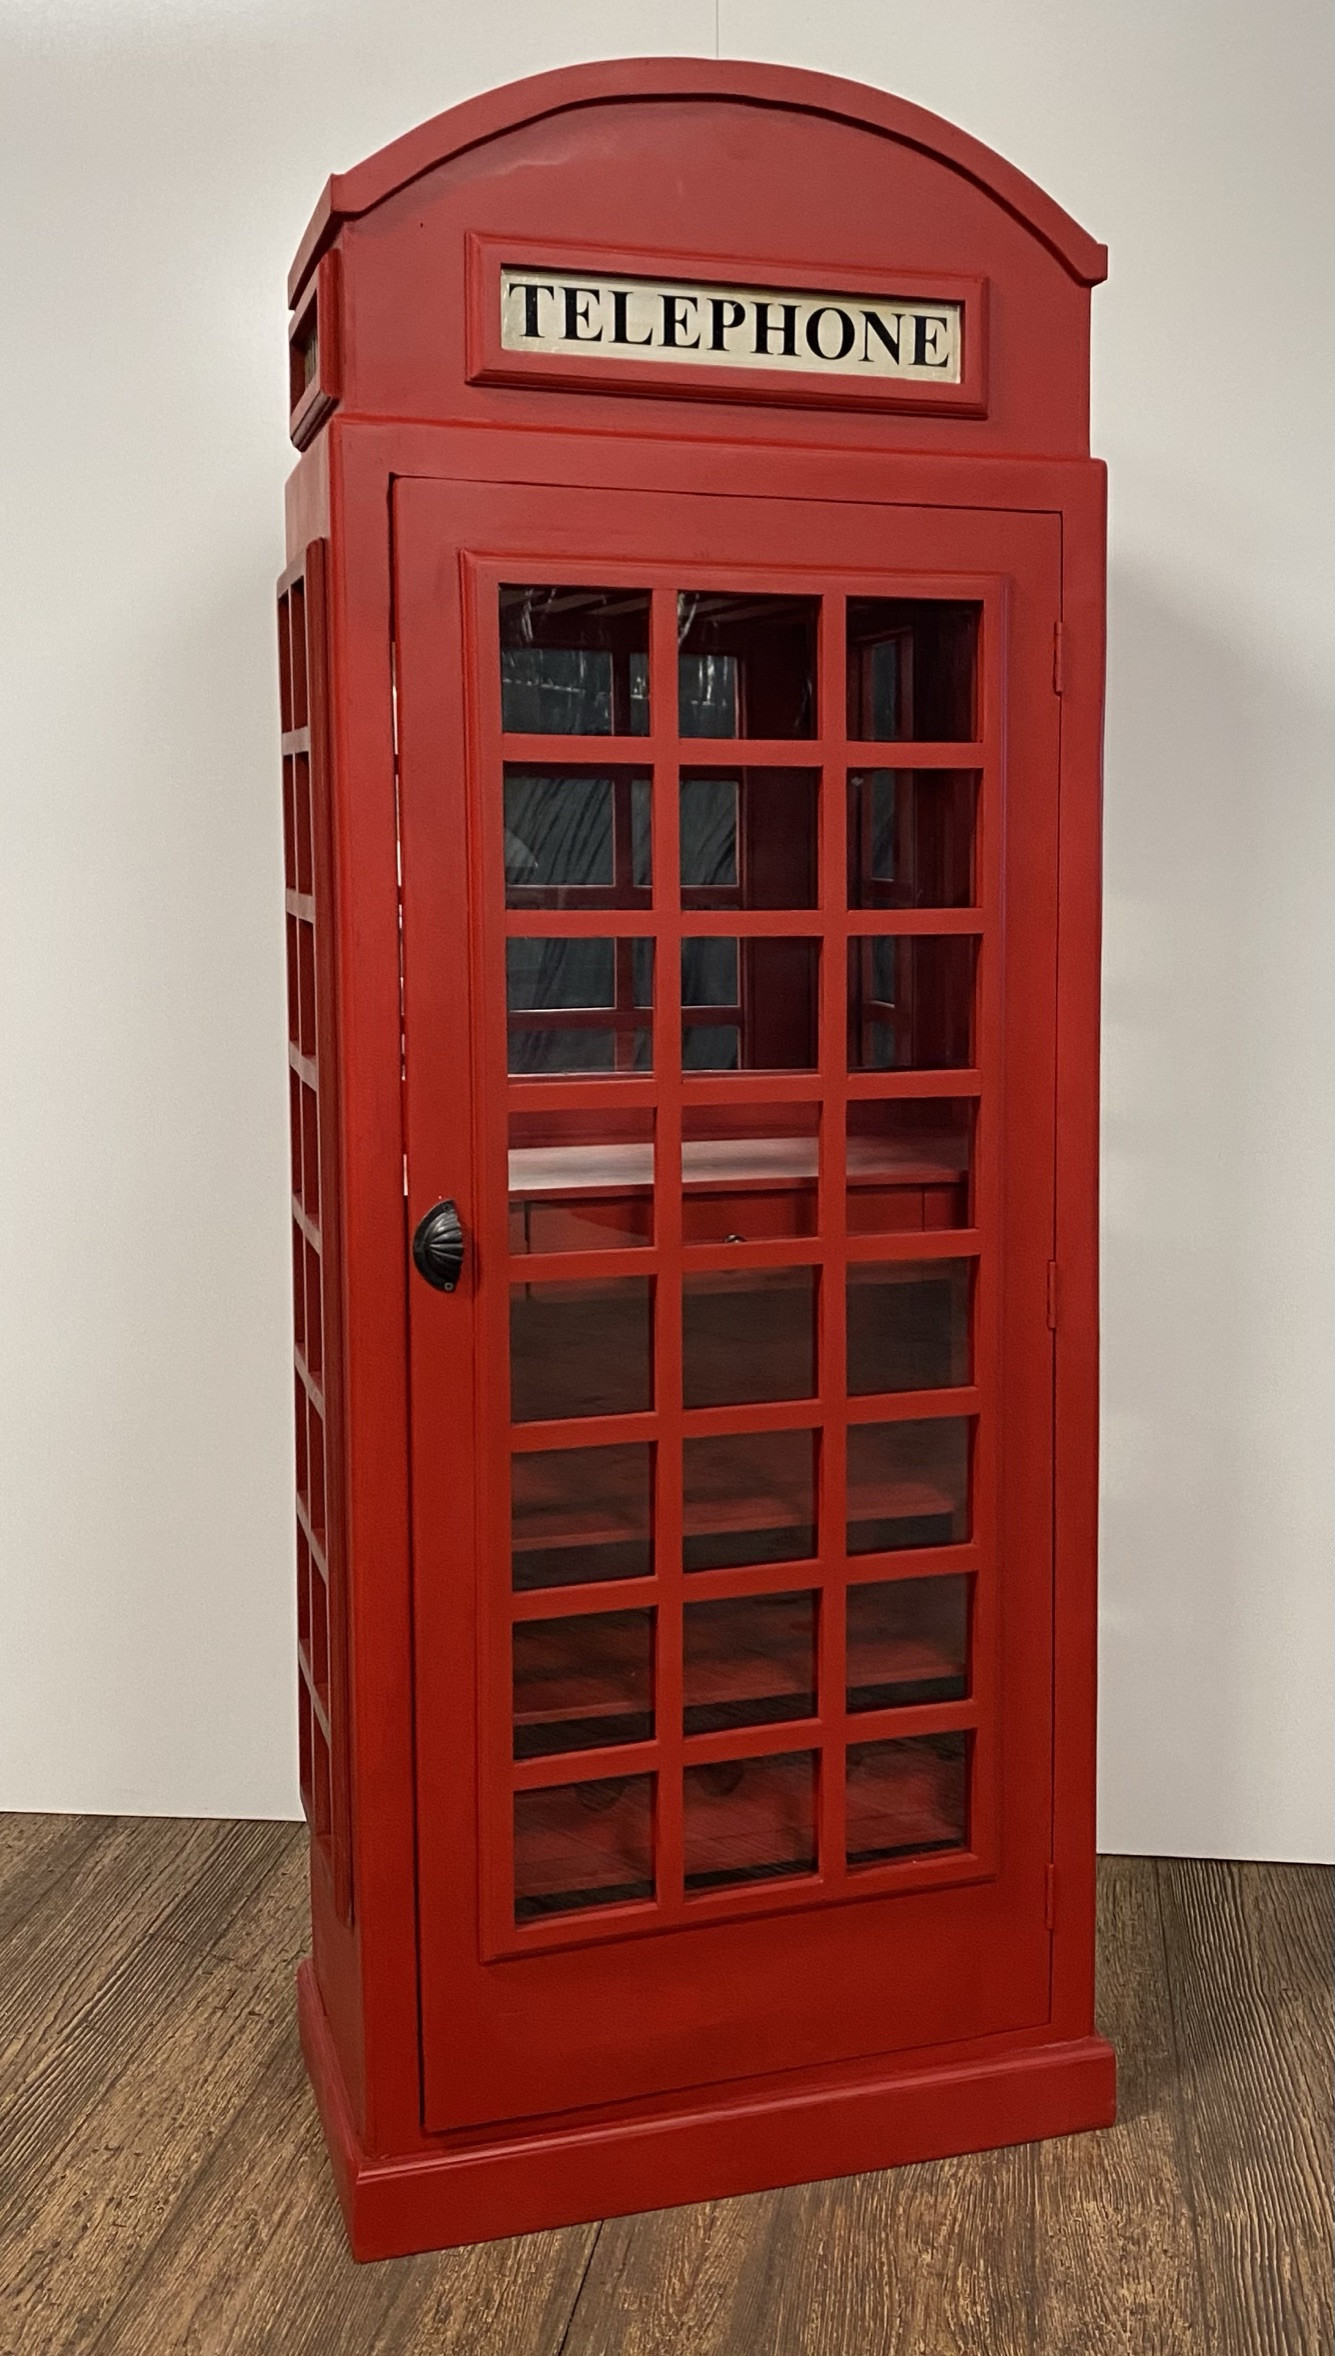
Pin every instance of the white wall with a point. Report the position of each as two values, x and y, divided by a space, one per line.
159 160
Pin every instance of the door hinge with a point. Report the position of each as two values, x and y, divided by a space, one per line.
1059 658
1052 1296
1050 1898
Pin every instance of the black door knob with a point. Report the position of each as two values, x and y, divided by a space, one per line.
438 1247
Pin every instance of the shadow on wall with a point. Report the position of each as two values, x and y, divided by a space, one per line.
1213 1321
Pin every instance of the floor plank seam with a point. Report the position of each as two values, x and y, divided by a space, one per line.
1185 2163
564 2341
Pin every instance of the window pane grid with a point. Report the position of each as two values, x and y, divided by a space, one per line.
787 1811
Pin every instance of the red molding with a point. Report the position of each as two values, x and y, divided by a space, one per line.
348 195
803 2126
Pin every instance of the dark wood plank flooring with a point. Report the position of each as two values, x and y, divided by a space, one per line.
163 2187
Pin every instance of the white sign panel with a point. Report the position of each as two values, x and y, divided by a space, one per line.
683 323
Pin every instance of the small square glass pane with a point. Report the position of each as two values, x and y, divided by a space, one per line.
910 1002
748 1336
908 1325
749 1661
710 973
750 1820
581 1181
574 662
748 1005
908 1643
578 1515
583 1844
908 1798
711 860
749 1172
576 838
908 1484
577 1004
750 1497
912 664
580 1349
909 1164
911 838
746 665
748 838
582 1682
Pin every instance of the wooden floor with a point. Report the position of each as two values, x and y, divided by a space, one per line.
163 2188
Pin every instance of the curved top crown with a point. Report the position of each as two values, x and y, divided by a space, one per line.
348 195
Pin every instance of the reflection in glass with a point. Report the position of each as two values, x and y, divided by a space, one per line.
908 1484
748 1336
577 839
746 665
748 839
707 695
581 1181
908 1325
583 1844
710 972
750 1820
908 1798
574 662
908 1163
579 1515
910 837
579 1349
748 1005
710 854
910 1002
749 1172
578 1005
749 1498
582 1683
749 1661
911 669
908 1643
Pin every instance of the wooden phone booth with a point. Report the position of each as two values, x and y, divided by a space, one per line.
692 646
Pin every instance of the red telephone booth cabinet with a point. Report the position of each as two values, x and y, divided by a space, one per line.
691 672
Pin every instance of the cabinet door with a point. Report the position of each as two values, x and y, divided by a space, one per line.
729 867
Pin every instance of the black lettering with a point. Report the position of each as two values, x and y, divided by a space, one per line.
933 324
766 327
620 330
577 318
721 328
846 332
674 321
530 289
874 325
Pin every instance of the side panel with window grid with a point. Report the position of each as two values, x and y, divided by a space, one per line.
321 1610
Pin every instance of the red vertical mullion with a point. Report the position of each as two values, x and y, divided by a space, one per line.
491 1273
832 1202
989 1212
668 1473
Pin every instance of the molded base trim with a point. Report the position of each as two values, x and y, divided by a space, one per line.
437 2200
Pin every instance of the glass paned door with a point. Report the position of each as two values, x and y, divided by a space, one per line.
746 1317
754 1333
